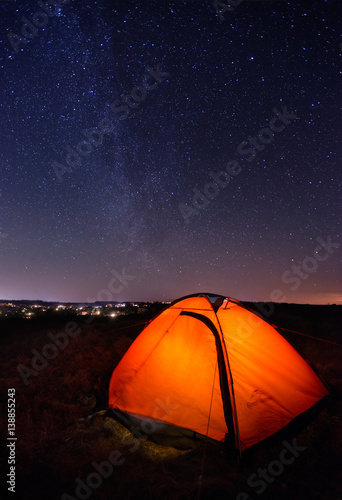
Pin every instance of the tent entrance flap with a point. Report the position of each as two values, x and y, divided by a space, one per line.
227 406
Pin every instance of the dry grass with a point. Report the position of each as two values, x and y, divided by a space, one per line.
57 441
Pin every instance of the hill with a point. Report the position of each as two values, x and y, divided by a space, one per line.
62 453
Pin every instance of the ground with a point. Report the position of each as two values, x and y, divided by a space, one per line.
65 441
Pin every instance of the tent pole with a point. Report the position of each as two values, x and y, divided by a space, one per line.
236 422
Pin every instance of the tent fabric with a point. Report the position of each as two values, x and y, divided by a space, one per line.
220 372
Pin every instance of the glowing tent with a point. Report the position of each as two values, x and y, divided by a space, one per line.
208 366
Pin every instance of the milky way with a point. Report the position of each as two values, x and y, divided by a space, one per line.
178 147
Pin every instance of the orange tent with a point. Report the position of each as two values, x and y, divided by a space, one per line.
208 366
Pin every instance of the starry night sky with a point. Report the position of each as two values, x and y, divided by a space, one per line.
124 220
